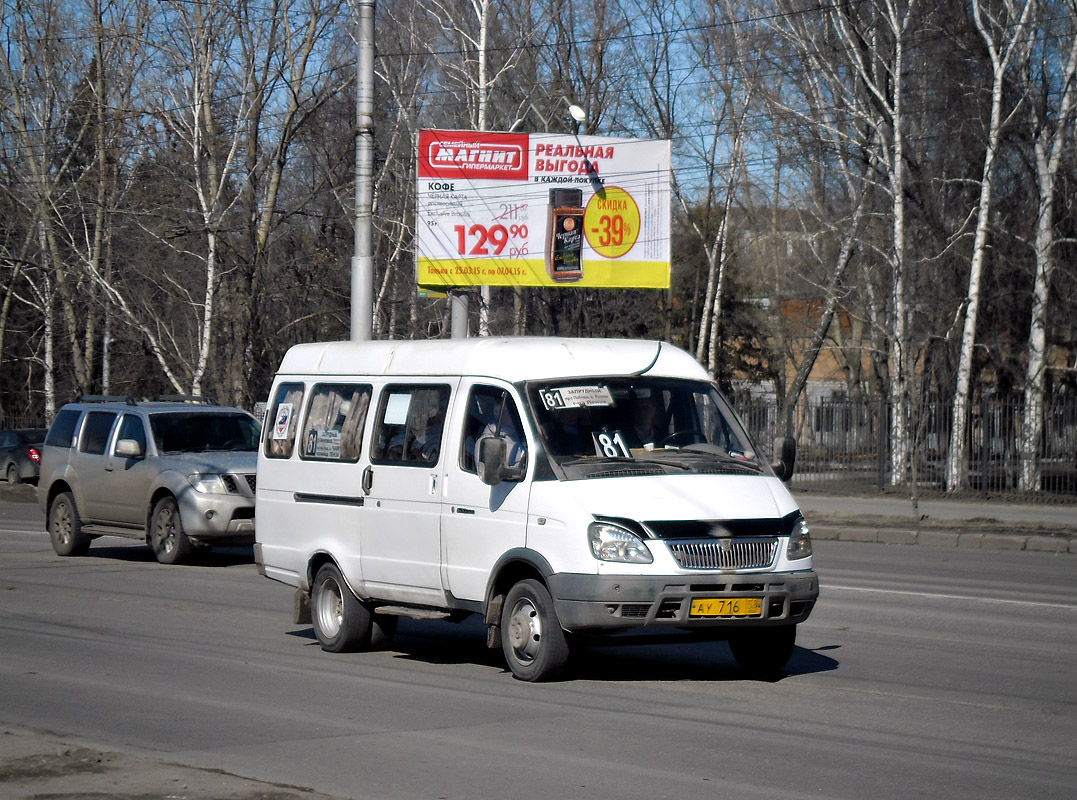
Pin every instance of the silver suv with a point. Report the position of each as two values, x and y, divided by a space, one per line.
178 472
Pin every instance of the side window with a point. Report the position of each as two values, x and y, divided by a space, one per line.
335 422
492 412
95 431
7 440
132 427
410 425
62 432
283 420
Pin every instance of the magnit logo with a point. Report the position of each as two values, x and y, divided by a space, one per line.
479 155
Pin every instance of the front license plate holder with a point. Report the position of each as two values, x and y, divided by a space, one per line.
704 607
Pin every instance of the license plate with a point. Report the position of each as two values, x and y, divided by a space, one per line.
727 607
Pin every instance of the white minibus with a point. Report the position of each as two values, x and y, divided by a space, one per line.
560 488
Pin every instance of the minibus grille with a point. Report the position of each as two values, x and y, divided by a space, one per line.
725 553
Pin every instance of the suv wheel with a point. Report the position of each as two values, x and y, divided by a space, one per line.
65 527
167 538
13 476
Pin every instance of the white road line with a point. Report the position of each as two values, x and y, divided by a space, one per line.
1032 603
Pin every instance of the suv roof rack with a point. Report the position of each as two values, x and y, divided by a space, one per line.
106 398
194 399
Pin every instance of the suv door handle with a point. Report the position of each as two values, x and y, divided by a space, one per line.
368 480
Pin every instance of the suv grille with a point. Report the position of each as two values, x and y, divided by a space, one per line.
725 553
234 483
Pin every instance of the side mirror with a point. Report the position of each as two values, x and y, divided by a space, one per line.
128 448
491 458
785 457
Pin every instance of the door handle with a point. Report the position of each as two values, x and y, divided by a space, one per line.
368 480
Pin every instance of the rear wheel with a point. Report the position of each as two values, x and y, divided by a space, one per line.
341 622
534 643
13 475
764 651
167 537
65 527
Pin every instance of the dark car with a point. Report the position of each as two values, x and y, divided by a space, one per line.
20 454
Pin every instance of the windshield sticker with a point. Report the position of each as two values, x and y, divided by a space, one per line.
576 397
283 420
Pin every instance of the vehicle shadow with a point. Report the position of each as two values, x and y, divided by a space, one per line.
439 642
137 553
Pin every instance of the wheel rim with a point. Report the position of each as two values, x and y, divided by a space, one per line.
525 630
61 523
330 608
12 474
165 531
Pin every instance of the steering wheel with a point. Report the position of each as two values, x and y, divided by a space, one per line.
688 437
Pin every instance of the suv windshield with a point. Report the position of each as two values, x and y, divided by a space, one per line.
659 422
190 432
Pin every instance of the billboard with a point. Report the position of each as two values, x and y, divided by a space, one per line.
519 209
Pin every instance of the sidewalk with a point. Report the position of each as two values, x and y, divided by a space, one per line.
960 524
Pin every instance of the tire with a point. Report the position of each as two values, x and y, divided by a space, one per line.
65 527
341 622
167 537
764 651
13 476
535 646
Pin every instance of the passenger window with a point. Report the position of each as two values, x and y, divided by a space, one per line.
335 421
62 432
131 427
410 424
283 420
492 412
95 431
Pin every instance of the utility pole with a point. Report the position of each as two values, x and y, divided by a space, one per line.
362 299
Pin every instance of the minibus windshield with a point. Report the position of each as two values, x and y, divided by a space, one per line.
660 421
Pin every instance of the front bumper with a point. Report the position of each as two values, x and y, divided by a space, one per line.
217 517
623 602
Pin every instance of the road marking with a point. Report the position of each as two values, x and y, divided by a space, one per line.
938 596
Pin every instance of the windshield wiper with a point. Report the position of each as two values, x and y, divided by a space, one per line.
622 460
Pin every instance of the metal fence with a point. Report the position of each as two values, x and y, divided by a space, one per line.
845 444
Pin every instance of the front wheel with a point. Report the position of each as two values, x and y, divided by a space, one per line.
534 643
167 538
65 527
341 622
763 651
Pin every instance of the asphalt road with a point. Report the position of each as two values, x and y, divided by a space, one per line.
922 673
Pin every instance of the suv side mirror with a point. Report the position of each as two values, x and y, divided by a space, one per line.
785 457
128 448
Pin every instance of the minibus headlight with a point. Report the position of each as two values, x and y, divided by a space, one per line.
614 543
799 541
207 483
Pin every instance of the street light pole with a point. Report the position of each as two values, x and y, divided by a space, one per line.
362 294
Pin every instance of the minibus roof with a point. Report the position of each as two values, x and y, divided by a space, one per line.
512 359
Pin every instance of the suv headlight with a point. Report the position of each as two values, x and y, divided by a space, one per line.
614 543
207 483
799 541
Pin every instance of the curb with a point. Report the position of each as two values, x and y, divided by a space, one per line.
955 540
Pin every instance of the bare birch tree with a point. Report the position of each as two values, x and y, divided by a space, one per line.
1052 115
1006 28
